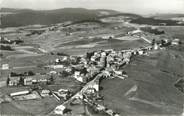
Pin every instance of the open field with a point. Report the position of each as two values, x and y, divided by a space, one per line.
155 93
10 109
76 48
38 107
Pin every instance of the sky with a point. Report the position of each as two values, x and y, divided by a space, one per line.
131 6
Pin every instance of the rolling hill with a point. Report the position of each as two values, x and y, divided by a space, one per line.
22 17
149 89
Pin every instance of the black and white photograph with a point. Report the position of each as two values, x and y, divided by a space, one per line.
91 57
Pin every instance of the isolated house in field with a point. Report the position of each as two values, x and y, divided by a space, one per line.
59 110
100 107
135 32
106 73
25 95
52 72
155 46
110 112
68 69
95 85
64 58
90 91
28 81
57 60
118 72
140 52
45 93
19 93
57 66
175 42
107 37
5 66
149 48
13 81
63 93
134 52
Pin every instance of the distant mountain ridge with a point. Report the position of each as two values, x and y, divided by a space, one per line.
23 17
13 10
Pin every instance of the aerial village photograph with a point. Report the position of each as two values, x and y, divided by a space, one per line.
91 57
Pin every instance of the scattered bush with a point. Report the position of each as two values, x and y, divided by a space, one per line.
30 73
1 55
18 41
65 73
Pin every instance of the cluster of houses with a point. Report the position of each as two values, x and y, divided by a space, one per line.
100 108
105 64
61 94
83 68
27 80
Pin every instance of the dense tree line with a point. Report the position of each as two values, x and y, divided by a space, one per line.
5 47
152 21
29 73
152 31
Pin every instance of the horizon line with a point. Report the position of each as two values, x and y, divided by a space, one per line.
154 13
